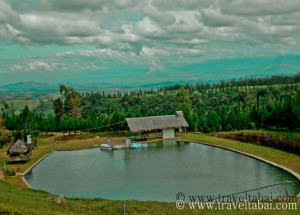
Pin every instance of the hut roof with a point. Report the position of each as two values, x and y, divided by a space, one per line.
156 122
19 147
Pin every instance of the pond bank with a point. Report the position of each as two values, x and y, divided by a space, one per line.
26 200
287 161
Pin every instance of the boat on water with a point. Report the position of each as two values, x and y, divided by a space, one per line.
135 145
105 147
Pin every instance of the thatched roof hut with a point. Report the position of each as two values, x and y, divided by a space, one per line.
156 122
19 148
167 124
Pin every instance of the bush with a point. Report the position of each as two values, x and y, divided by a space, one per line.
8 210
275 141
3 140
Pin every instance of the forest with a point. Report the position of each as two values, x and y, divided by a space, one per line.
260 103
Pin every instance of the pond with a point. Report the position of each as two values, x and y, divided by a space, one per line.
157 172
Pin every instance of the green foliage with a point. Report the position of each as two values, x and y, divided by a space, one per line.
183 101
224 106
42 108
8 210
68 105
58 108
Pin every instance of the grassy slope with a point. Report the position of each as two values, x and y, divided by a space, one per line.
36 202
294 134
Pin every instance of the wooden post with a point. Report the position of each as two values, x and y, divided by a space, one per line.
124 207
4 171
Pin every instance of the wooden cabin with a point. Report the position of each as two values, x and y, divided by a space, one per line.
157 126
19 152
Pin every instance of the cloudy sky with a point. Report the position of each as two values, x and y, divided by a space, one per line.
146 40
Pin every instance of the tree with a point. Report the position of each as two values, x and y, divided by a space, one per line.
68 105
71 102
260 93
213 120
76 110
41 108
223 115
24 116
7 109
183 102
2 127
58 107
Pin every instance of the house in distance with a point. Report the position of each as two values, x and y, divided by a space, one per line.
157 126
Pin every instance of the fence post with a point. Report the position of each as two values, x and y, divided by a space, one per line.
124 206
4 171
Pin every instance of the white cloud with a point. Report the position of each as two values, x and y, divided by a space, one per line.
15 68
38 65
7 14
152 32
148 27
150 52
164 17
261 7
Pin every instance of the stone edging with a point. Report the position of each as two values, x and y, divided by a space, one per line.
26 183
293 173
30 168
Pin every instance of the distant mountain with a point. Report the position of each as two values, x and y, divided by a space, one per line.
161 84
135 78
225 69
29 86
32 87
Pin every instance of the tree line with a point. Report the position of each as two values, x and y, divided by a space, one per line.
269 103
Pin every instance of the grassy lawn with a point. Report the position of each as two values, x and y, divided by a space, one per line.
13 193
291 134
29 201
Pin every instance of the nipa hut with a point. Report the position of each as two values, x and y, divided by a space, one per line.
19 151
157 126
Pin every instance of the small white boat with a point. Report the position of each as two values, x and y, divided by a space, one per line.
106 147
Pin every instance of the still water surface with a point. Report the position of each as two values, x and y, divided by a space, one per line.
156 171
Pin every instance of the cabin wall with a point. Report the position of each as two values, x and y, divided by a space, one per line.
169 133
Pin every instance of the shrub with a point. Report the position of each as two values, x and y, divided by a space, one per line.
8 210
275 141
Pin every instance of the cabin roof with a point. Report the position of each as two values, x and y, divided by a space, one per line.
156 122
19 147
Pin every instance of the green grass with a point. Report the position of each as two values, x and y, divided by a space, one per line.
291 134
30 201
